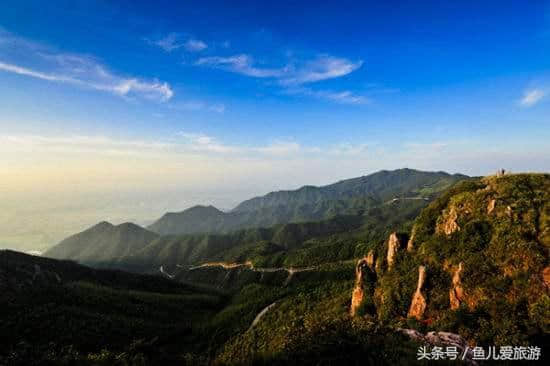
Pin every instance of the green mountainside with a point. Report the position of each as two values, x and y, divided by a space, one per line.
476 262
102 242
380 186
61 313
347 197
297 244
339 291
271 233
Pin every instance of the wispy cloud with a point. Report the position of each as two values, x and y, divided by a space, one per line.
104 81
341 97
78 144
76 69
195 45
322 68
532 97
183 143
168 43
173 41
199 142
241 64
292 76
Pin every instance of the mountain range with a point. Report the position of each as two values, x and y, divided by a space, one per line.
284 217
308 203
458 262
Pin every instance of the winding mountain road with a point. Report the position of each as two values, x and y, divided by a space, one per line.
261 314
248 264
170 276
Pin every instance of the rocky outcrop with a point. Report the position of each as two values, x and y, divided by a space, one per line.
456 294
491 206
448 225
393 246
418 304
509 211
363 274
370 259
410 242
442 339
546 277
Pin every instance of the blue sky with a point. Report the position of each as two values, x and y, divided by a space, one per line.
239 98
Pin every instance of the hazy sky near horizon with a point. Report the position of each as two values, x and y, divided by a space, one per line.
125 110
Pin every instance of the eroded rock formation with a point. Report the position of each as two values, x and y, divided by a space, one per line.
363 274
546 277
410 243
393 247
491 206
370 259
448 225
456 294
418 304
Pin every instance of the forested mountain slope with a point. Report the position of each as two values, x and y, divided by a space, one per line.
309 203
102 242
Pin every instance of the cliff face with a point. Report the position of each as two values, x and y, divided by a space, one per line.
482 248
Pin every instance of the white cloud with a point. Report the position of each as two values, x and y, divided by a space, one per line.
169 43
291 77
75 69
35 74
532 97
341 97
195 45
240 64
15 144
173 41
323 68
183 144
154 90
197 142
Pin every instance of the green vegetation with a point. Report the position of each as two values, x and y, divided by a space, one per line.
57 311
497 228
102 242
291 245
347 197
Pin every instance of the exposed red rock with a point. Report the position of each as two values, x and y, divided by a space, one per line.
418 304
456 294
